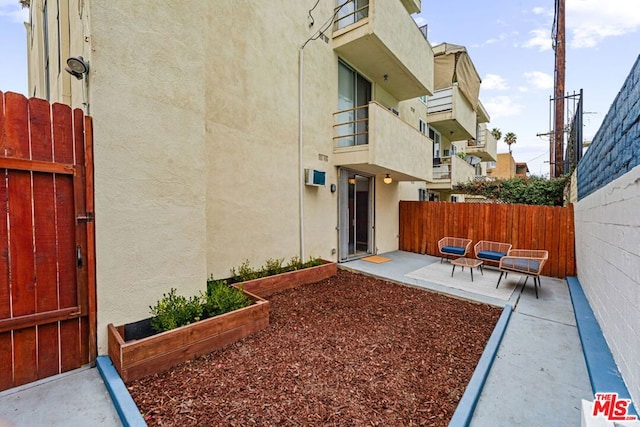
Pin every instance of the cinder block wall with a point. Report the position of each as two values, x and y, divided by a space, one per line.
615 148
607 224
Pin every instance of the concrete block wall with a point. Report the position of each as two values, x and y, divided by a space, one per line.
615 147
607 226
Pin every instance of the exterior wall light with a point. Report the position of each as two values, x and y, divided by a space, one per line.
77 66
387 179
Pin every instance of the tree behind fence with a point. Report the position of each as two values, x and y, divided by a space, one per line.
551 228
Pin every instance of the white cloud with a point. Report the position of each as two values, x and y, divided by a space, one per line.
591 21
13 10
502 106
420 21
539 10
539 80
540 38
494 82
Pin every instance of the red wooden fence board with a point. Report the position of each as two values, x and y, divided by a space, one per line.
45 236
21 250
524 226
6 346
63 140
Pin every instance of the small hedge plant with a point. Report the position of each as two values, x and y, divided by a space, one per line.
173 311
222 298
272 267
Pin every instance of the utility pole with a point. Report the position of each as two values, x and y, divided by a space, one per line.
557 142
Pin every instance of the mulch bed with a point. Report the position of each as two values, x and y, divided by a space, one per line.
351 350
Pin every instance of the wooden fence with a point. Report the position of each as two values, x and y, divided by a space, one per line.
422 224
47 269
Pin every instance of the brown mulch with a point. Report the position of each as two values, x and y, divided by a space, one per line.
348 351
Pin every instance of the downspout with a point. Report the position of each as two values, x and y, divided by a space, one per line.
300 146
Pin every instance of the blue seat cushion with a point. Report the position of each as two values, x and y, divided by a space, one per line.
521 264
455 250
492 255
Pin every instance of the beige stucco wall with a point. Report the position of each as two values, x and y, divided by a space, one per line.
149 155
252 132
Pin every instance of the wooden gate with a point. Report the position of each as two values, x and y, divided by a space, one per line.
47 269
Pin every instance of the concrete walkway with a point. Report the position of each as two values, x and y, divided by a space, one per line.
539 375
77 398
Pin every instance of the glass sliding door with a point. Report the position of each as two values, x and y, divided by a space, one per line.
355 215
354 95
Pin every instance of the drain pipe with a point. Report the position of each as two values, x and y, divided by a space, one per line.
300 146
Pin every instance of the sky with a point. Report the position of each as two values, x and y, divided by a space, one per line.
509 42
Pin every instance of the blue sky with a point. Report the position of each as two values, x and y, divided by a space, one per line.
510 44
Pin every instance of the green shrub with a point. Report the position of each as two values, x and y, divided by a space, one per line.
273 267
222 298
313 262
295 263
173 311
245 272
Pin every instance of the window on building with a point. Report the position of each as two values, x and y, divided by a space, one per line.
354 95
423 195
434 135
454 198
422 126
351 12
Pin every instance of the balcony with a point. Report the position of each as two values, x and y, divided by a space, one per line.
484 146
383 42
449 112
412 6
372 139
451 171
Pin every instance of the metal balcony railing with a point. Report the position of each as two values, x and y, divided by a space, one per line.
349 13
351 126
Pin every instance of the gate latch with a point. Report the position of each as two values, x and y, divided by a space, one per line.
87 217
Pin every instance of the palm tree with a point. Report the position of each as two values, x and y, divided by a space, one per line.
497 134
510 138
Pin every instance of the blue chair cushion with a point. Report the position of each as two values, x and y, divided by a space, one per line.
521 264
492 255
455 250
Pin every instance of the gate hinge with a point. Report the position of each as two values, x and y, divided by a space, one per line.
87 217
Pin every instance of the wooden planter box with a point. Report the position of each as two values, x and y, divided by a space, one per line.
269 285
138 358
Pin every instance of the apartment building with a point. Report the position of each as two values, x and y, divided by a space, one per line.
506 167
232 130
457 124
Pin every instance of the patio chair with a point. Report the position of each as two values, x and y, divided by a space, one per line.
491 252
455 247
526 262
